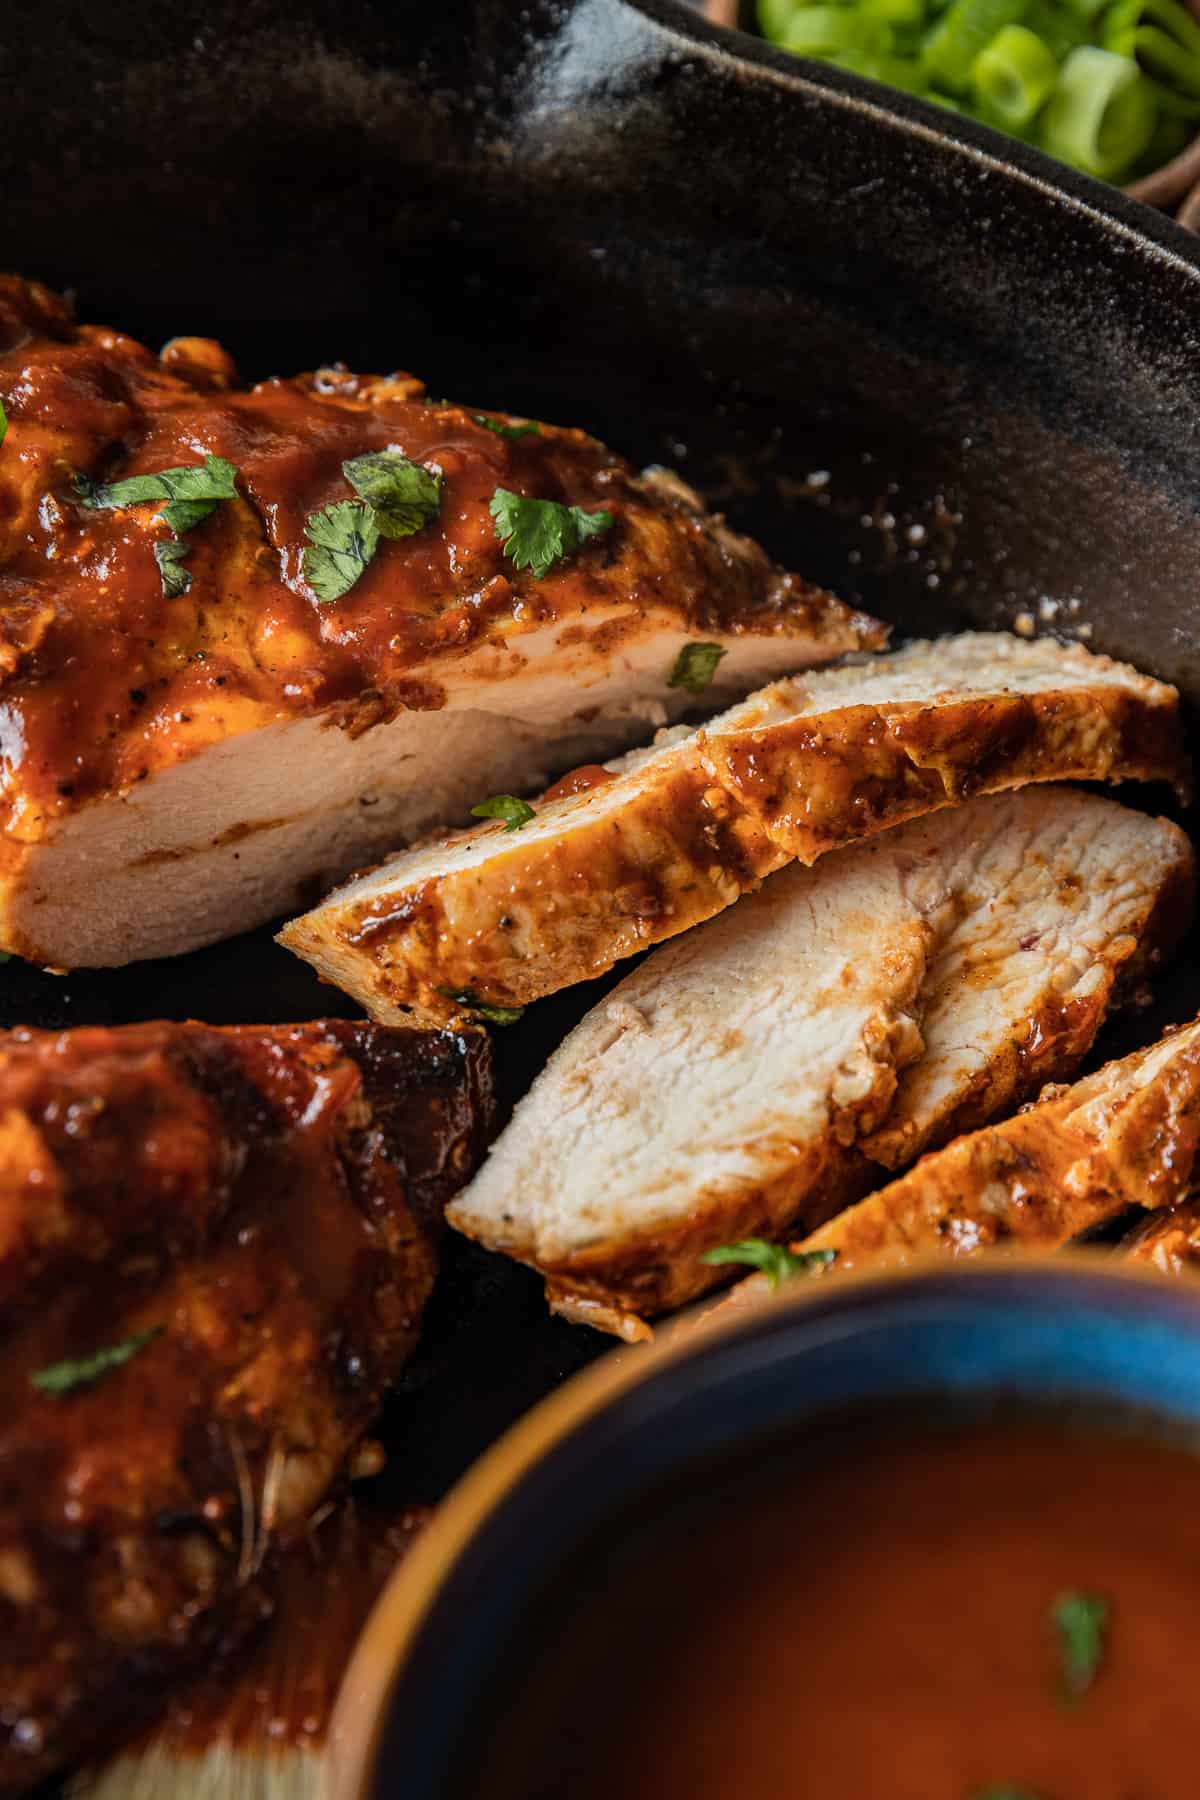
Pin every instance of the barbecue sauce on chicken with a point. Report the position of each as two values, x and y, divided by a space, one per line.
265 1202
105 680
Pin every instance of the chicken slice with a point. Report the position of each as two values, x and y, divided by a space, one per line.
669 837
1169 1239
215 1248
755 1074
1125 1136
183 759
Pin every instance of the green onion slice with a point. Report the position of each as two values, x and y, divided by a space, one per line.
1166 62
895 71
1101 115
1168 15
826 30
896 12
954 43
774 17
1014 75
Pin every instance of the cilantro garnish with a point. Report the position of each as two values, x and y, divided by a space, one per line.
402 495
396 498
1004 1793
191 492
514 812
537 533
776 1263
528 429
495 1015
196 484
3 423
342 540
169 556
82 1371
1080 1621
695 667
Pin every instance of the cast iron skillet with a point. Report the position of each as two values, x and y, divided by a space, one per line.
926 365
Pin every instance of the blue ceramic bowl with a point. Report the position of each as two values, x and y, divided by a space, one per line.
1078 1333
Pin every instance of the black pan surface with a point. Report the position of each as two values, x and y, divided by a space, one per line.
924 364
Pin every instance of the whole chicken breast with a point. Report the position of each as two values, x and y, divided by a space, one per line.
205 714
215 1251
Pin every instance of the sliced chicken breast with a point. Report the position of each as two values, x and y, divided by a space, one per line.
202 723
1169 1239
759 1072
1126 1136
669 837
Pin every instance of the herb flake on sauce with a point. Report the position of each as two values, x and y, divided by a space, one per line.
538 533
695 667
528 429
508 807
776 1263
1080 1622
83 1371
342 539
401 494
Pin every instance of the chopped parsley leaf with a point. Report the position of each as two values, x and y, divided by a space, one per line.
342 539
192 492
514 812
81 1371
169 556
183 515
212 480
528 429
538 533
776 1263
1080 1621
695 667
402 495
495 1015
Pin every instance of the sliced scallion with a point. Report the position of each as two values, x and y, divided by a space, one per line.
896 12
826 30
774 17
897 71
1158 55
1014 75
1102 113
954 43
1168 15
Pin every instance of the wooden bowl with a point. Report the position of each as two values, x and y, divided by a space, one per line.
1175 188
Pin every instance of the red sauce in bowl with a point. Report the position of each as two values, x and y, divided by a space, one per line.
875 1619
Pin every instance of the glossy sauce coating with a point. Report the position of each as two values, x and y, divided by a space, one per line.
266 1201
871 1619
104 680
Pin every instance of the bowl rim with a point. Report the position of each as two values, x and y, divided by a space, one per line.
387 1639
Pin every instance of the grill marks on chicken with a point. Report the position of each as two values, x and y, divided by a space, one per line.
758 1073
265 1202
674 835
209 755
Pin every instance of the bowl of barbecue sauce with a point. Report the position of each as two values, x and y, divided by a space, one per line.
921 1537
